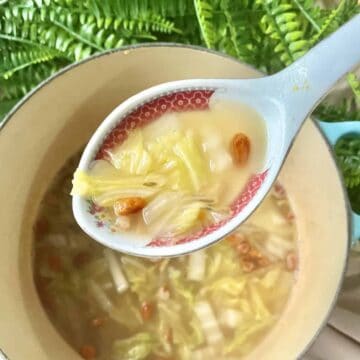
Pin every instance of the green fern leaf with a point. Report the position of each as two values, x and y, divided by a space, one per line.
79 35
204 13
347 151
5 107
335 18
234 28
21 82
41 30
122 9
345 110
354 195
310 12
16 61
354 83
283 24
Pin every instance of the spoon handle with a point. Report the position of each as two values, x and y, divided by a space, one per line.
303 84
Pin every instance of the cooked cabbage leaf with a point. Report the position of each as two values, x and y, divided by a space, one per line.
183 219
248 330
137 347
189 152
142 279
131 157
105 190
177 318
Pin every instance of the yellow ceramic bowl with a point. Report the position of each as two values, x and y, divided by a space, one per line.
56 120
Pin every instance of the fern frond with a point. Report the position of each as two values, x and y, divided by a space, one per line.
122 9
310 12
283 24
45 34
347 151
237 38
354 195
23 81
79 35
15 61
235 28
346 109
354 83
44 26
204 13
338 16
189 34
5 107
152 23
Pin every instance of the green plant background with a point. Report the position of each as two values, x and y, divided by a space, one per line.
39 37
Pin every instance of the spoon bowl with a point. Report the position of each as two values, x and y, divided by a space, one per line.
283 100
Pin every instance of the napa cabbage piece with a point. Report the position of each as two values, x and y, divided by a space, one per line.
188 150
121 309
131 157
142 279
137 347
126 312
167 220
230 318
105 190
180 287
209 322
227 286
173 161
161 148
222 262
180 156
246 332
160 205
270 279
185 218
177 175
259 308
185 329
119 280
196 265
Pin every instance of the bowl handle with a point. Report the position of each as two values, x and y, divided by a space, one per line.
333 132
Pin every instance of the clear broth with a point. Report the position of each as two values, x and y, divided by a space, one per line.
219 178
246 280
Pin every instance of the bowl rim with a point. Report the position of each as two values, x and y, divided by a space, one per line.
71 66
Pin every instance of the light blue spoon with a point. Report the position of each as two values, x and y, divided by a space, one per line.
284 100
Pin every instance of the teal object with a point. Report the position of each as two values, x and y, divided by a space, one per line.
333 132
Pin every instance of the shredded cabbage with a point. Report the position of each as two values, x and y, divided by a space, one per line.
226 286
185 217
188 151
180 287
112 188
209 323
126 312
142 279
222 261
172 314
270 279
131 156
116 272
259 308
137 347
243 333
161 204
196 265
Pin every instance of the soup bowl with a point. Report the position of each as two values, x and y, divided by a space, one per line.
56 120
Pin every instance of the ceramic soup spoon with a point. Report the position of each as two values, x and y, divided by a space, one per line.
284 101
